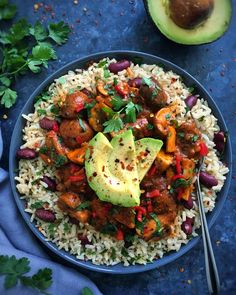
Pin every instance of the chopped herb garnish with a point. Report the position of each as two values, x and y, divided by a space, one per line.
61 80
71 91
51 229
43 150
115 81
60 160
113 253
66 227
54 110
129 238
115 124
124 252
187 109
181 182
82 124
83 205
106 73
158 223
109 228
37 205
117 102
140 225
191 89
102 63
181 134
147 81
201 119
150 126
195 138
41 112
87 291
167 116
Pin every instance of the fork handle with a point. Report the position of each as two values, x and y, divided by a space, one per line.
212 275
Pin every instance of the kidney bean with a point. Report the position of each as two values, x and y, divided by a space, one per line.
219 140
136 82
84 240
26 153
51 183
45 215
47 124
207 180
187 227
121 65
188 204
191 101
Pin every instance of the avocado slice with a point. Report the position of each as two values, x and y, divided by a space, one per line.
111 169
209 30
146 152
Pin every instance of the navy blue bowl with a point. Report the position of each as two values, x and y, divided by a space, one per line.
17 141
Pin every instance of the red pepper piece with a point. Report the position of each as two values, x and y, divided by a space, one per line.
79 139
152 170
75 178
79 107
55 127
203 149
141 211
178 165
120 91
149 206
177 176
120 235
153 194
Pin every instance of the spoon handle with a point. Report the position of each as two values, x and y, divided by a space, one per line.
212 275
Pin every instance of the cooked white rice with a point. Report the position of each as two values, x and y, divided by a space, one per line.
104 249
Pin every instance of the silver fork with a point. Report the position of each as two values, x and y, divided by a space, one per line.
212 275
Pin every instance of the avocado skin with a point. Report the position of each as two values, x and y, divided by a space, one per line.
187 42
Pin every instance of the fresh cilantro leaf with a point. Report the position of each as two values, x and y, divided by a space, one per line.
43 52
34 65
37 205
117 102
60 160
167 116
41 112
81 123
87 291
40 281
7 11
115 124
130 112
181 134
18 31
191 89
158 223
109 111
13 269
102 63
59 32
106 73
147 81
181 182
83 205
8 97
5 81
115 81
195 138
38 31
150 126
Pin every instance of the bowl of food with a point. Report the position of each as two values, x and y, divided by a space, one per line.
103 161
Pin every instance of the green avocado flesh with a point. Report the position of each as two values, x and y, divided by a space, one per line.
210 30
114 170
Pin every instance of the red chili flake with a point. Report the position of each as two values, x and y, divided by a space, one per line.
152 170
153 194
103 168
55 127
76 178
79 107
122 165
120 235
129 167
203 149
79 139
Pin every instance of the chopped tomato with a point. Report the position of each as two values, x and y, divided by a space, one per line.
203 149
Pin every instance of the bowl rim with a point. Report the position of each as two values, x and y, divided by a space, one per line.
119 268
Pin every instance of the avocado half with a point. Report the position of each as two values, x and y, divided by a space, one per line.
210 30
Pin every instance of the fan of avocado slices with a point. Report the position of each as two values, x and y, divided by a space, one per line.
115 168
190 22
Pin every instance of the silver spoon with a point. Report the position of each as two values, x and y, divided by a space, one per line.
212 275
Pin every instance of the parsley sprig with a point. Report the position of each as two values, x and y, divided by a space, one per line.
25 47
126 110
15 269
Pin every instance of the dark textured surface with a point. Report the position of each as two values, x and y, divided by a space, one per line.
105 25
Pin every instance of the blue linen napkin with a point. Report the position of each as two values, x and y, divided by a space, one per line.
16 239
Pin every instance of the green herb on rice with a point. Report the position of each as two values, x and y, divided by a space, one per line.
37 205
51 229
83 205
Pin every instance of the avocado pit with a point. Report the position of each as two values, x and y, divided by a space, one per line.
188 14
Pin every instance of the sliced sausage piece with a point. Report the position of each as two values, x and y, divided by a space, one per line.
75 132
153 94
73 104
